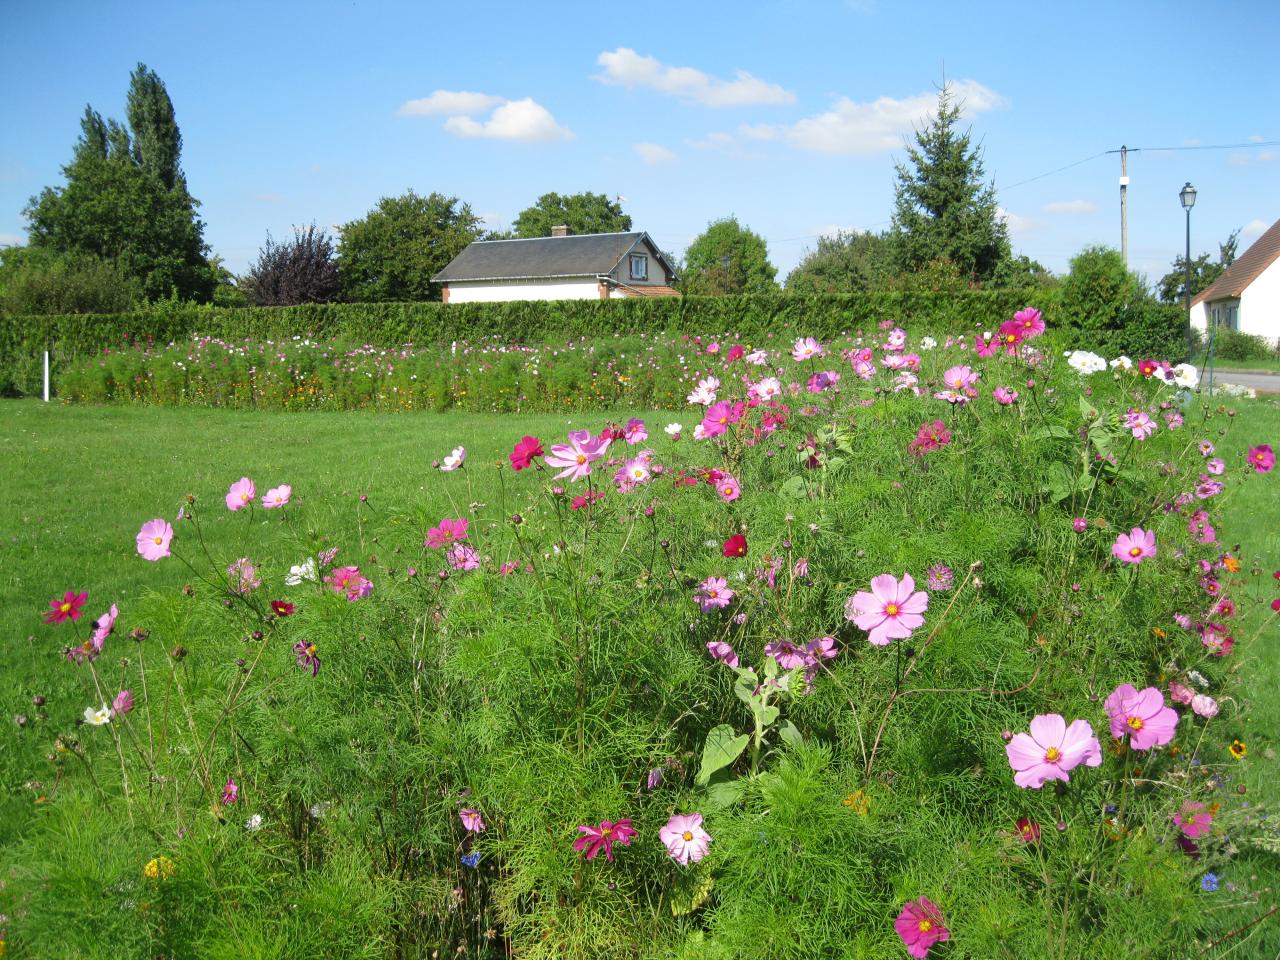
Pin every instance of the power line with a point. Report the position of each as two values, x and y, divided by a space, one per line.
1050 173
1206 146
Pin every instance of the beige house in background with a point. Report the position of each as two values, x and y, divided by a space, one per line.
596 266
1247 296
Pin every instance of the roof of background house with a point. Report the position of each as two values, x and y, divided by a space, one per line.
1246 268
577 255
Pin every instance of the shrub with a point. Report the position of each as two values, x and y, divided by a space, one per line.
1104 307
1233 345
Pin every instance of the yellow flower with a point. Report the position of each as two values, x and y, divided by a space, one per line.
1238 749
1232 564
158 868
1158 632
858 802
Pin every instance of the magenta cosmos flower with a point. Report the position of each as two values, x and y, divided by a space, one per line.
277 496
920 926
104 626
230 792
722 651
576 457
684 838
472 820
713 592
728 488
449 531
525 450
1134 546
1052 750
1004 396
1262 458
1030 321
603 837
241 494
1142 715
153 539
67 608
308 656
1193 820
892 610
122 704
242 576
1139 423
634 432
348 581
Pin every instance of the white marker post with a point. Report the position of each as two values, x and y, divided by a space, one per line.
46 376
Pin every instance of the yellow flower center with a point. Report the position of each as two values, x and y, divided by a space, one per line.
159 540
1135 723
244 498
1052 755
311 649
687 835
1135 551
891 609
727 491
926 926
582 458
64 606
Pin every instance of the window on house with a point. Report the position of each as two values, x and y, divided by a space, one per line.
639 267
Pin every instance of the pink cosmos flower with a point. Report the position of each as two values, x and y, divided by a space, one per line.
241 494
984 346
1030 321
576 458
1139 423
766 389
892 610
104 625
1217 466
1206 448
463 556
704 393
1005 397
1203 705
723 652
959 378
930 436
713 592
243 576
1051 750
348 581
920 926
1200 528
153 539
806 348
449 531
525 450
1193 820
718 418
230 792
634 432
122 704
729 489
603 837
684 838
455 459
277 496
1010 336
1142 715
472 820
1134 546
1262 458
1180 692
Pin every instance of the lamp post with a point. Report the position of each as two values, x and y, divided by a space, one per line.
1188 197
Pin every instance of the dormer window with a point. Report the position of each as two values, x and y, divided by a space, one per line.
639 267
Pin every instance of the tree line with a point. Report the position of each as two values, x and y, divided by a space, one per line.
125 230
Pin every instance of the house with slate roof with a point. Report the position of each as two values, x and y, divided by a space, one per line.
563 266
1247 296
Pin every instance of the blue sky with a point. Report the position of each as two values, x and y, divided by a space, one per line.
788 115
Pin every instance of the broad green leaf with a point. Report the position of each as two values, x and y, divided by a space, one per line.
721 749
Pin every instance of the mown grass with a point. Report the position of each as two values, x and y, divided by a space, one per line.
79 480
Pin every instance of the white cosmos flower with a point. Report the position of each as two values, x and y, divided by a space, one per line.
454 460
1085 363
306 570
97 718
254 823
673 430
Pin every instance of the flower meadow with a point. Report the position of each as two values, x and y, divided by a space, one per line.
877 649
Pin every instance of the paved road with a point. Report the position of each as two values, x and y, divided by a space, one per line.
1262 382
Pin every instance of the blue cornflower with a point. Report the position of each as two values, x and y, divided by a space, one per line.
1209 883
471 859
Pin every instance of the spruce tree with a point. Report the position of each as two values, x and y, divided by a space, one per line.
943 210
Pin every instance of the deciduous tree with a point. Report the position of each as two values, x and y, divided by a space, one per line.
727 258
303 270
580 212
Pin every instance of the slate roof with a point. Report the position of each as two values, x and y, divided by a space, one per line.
577 255
1246 268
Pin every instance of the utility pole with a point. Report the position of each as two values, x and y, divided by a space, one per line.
1124 204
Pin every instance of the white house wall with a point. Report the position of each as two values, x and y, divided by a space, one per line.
1260 304
1198 319
499 290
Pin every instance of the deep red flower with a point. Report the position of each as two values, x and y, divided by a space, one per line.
282 608
1028 830
68 608
735 546
1148 367
522 456
603 837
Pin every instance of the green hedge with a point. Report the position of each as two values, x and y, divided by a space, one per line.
22 339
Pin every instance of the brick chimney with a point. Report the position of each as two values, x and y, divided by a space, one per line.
560 231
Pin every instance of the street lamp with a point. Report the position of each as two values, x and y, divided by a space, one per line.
1188 197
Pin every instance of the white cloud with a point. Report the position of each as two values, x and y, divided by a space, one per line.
453 103
1070 206
12 239
1016 222
758 131
864 128
626 68
653 153
525 121
1254 228
1256 139
713 140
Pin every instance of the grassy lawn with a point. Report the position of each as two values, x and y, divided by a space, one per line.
78 481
